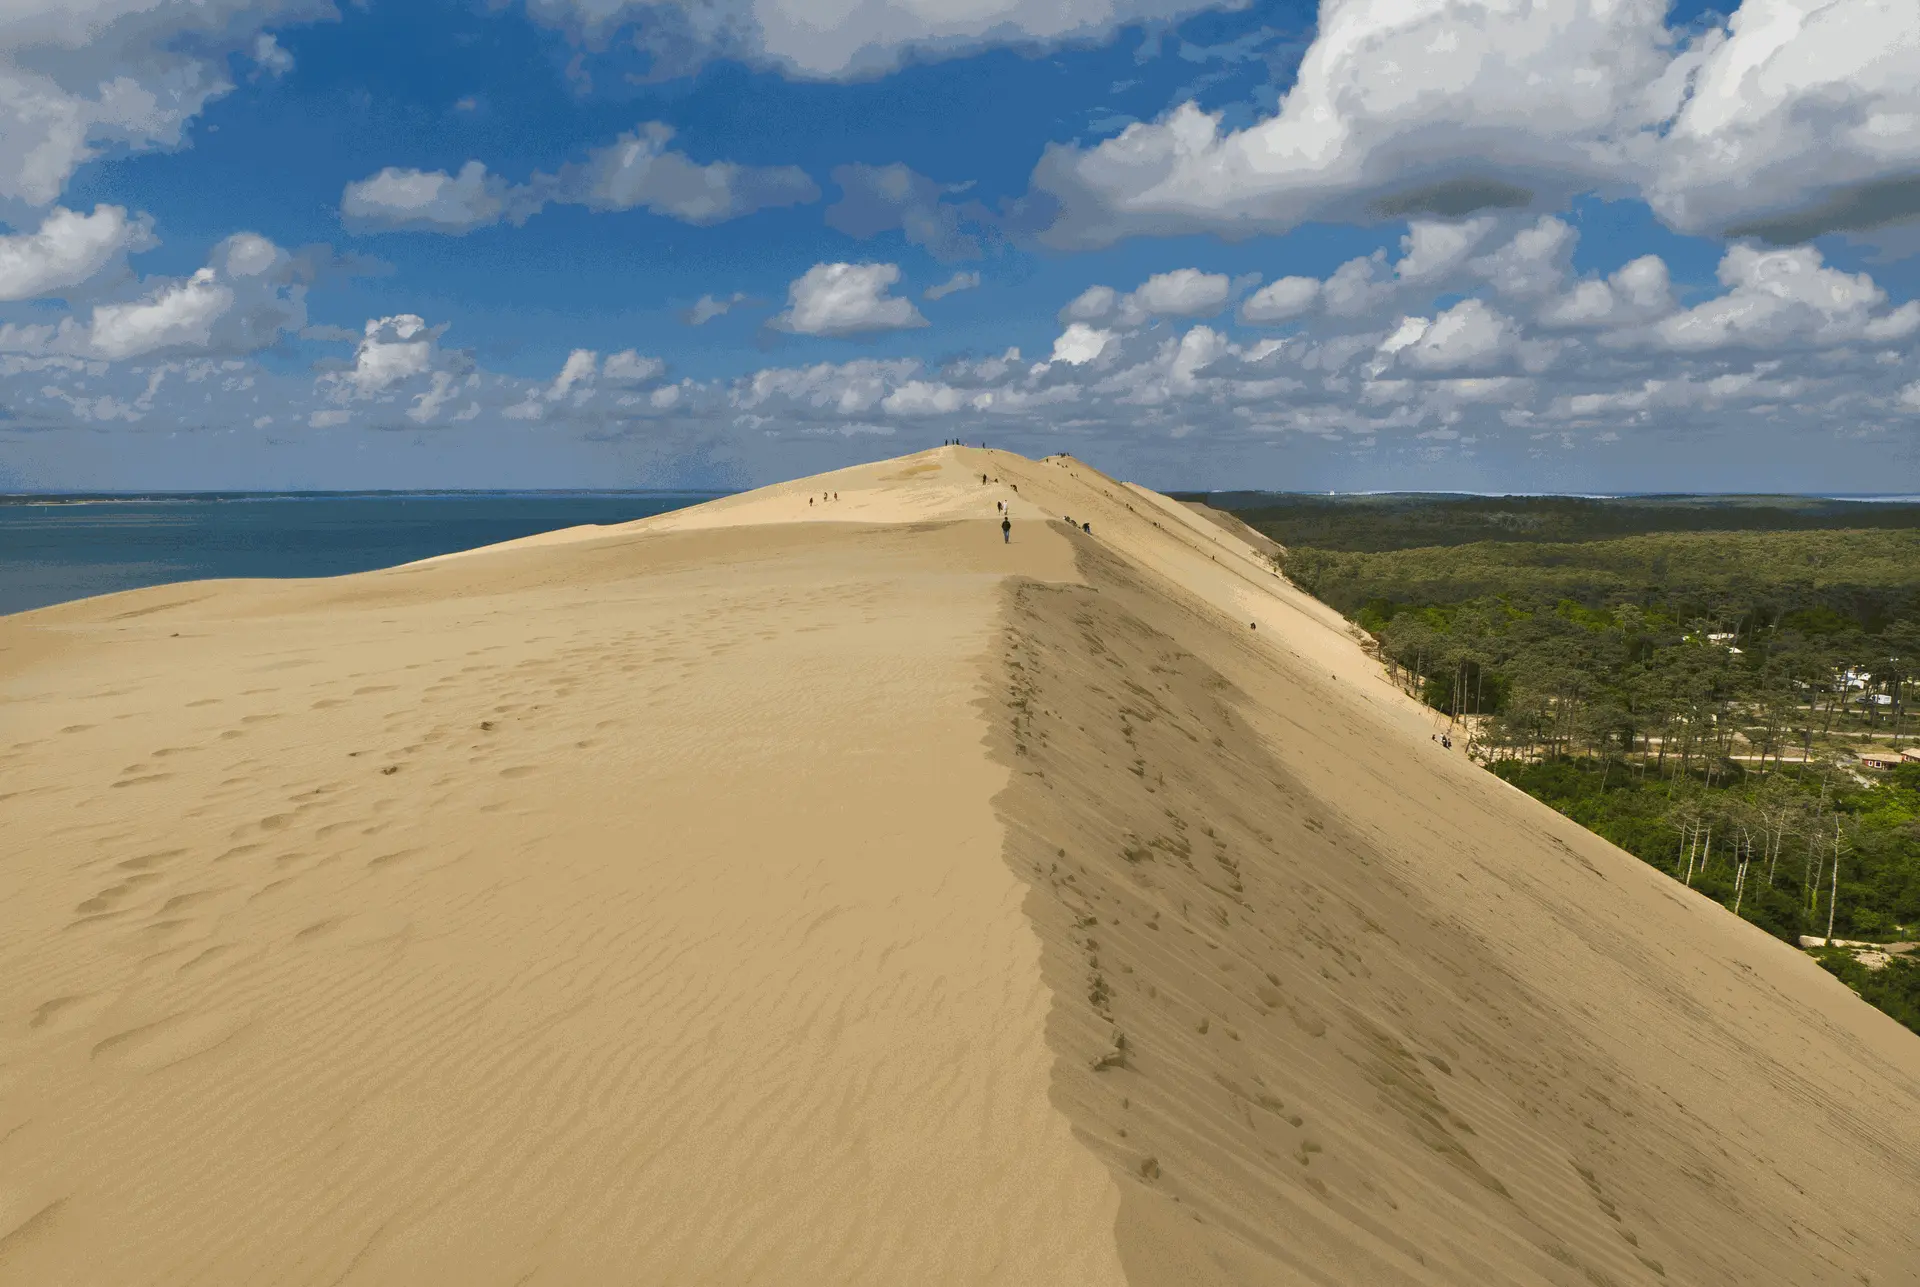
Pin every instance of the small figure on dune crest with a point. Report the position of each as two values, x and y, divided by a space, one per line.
1087 528
1006 531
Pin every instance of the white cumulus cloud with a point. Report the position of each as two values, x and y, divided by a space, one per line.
640 170
174 316
921 398
1184 292
1636 291
1080 344
847 299
576 372
708 307
1282 300
1785 297
1091 305
69 249
391 349
1431 251
435 201
1468 335
269 56
629 367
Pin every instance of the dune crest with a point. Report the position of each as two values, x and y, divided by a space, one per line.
815 888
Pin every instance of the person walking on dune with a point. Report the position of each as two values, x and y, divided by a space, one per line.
1006 531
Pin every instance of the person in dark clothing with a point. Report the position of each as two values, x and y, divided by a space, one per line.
1006 531
1087 528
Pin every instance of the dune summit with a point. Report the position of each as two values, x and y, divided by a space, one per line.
801 889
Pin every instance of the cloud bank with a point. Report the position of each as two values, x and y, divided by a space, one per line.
638 171
1795 118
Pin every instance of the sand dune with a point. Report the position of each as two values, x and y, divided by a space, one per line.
773 893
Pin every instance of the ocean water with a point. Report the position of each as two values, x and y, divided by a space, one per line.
57 548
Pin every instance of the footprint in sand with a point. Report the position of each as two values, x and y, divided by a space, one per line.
387 860
112 894
66 1012
170 1041
145 861
319 928
181 902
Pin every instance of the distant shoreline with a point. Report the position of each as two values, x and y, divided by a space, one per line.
63 547
202 498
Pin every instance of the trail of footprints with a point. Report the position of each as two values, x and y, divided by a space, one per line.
1201 1059
191 911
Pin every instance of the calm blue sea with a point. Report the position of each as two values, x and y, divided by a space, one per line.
56 548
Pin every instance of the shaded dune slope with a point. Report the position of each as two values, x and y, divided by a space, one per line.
786 892
1382 1024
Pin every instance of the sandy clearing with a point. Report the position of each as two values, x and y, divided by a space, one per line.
839 894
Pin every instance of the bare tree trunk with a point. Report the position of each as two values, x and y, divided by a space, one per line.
1833 898
1703 864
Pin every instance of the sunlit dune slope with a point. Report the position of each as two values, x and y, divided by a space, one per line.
775 892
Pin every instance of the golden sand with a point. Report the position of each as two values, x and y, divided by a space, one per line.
774 892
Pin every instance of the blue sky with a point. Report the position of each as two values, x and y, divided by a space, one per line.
1599 244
